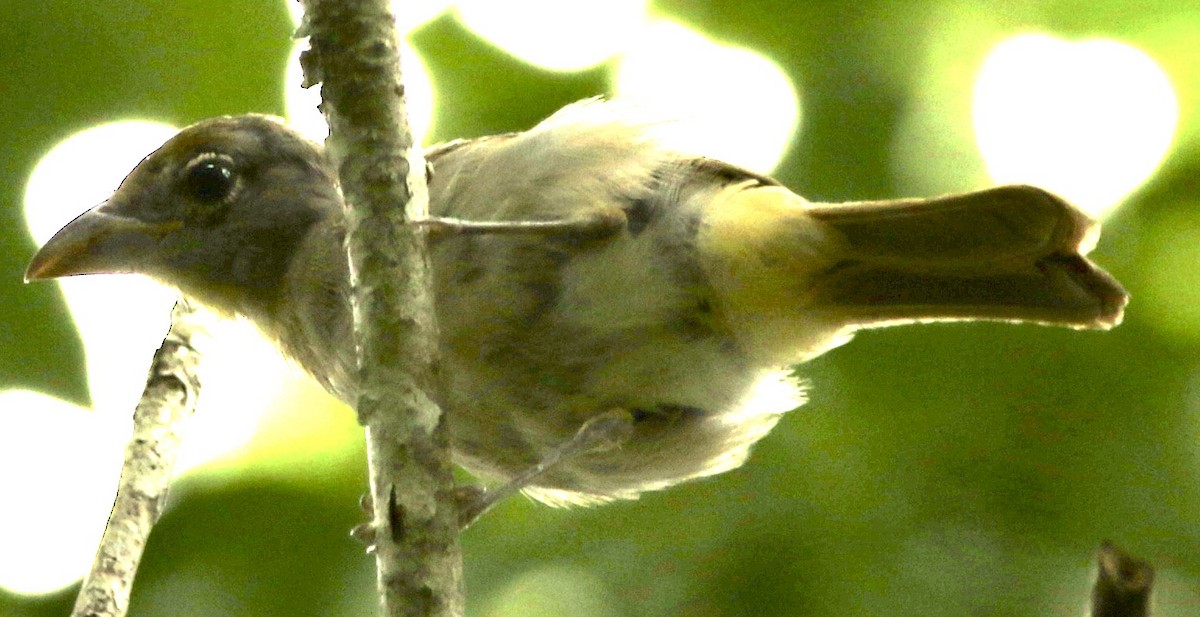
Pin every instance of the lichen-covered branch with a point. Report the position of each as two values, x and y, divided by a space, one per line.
169 398
354 54
1123 584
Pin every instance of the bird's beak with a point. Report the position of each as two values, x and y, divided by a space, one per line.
97 242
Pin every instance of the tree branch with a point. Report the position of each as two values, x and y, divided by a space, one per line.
169 398
354 54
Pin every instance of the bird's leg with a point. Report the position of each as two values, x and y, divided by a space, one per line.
604 432
597 223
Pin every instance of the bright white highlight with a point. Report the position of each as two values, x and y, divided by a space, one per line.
558 35
1090 120
121 319
729 103
61 465
300 104
242 376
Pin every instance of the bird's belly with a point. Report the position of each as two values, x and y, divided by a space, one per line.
508 406
540 337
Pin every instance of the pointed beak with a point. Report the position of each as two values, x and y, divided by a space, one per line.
97 242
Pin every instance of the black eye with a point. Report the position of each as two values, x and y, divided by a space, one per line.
209 180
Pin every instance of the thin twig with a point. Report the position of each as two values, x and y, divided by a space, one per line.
1123 584
603 224
354 54
169 398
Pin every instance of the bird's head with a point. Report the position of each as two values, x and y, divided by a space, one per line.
217 212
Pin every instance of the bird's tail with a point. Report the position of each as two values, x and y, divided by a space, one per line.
1014 253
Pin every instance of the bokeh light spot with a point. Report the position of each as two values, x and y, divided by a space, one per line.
552 591
121 319
722 101
95 160
558 35
61 465
1090 120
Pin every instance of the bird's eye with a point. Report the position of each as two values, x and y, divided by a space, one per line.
210 180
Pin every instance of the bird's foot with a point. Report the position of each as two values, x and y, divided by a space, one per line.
604 432
365 532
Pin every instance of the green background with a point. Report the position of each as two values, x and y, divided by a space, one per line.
940 470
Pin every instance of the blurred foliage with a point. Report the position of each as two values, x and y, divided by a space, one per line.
941 470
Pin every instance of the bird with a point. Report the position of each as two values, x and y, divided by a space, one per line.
682 305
